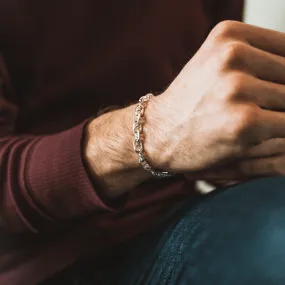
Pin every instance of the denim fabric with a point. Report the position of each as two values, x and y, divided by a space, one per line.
232 236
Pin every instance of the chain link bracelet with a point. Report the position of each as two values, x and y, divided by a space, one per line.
138 142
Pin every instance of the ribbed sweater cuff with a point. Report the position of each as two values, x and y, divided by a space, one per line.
57 179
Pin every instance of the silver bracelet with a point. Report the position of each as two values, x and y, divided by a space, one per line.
138 143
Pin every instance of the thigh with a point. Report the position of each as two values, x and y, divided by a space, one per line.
233 236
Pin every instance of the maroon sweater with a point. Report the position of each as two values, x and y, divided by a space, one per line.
61 61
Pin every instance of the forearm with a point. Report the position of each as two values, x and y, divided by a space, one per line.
45 180
109 152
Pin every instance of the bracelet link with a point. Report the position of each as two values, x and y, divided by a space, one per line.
138 143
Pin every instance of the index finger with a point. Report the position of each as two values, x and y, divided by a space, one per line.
264 39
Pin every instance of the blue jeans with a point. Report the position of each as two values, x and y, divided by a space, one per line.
232 236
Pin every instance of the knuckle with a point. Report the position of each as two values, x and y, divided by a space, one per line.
232 54
243 122
224 29
233 87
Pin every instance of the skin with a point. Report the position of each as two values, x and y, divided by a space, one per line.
220 119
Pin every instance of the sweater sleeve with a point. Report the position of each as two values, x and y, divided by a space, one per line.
43 181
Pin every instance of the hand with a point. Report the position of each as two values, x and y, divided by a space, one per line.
222 106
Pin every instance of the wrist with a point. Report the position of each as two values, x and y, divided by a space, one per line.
109 153
157 142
